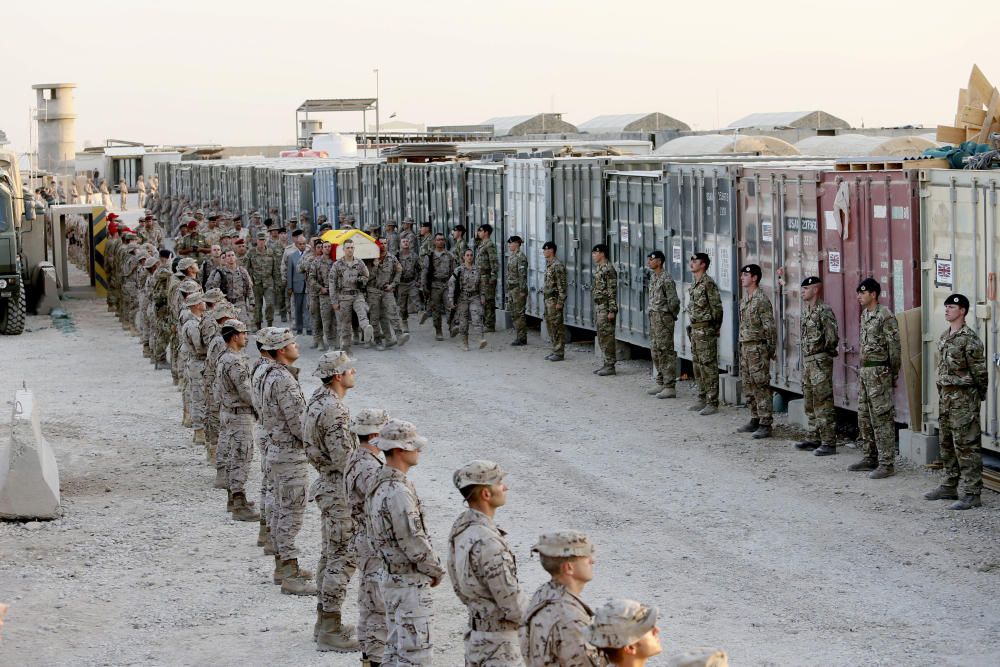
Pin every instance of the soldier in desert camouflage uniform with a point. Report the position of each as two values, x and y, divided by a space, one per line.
214 350
408 291
410 568
470 289
236 416
554 292
962 383
483 570
552 631
517 289
758 341
626 632
235 281
880 360
705 316
260 264
347 282
194 365
362 471
604 288
385 274
663 306
408 233
329 444
437 269
819 339
317 269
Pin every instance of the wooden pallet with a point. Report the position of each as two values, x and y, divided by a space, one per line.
978 112
885 165
991 479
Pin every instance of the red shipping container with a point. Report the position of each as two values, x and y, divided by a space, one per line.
871 229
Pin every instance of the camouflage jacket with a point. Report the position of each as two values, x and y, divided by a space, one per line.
261 267
207 328
160 290
470 282
238 285
398 528
555 282
191 339
232 376
705 303
362 471
392 242
317 270
663 295
962 360
426 245
410 265
487 261
438 268
458 249
347 278
483 572
757 320
282 405
216 348
819 330
880 338
517 273
329 444
552 633
385 274
604 287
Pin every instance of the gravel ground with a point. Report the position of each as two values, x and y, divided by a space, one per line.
777 556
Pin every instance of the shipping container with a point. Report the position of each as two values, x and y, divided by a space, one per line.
348 195
960 248
298 197
417 194
700 209
870 229
484 201
163 176
248 189
391 197
527 211
369 211
447 195
325 194
635 229
233 200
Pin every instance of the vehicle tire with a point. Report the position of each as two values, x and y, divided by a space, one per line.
13 313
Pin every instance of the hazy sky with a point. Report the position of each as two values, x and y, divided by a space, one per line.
233 72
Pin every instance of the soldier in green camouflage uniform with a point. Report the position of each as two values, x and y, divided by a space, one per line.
819 340
705 316
663 306
278 246
962 384
604 287
758 340
517 289
880 359
459 243
408 290
260 264
554 293
489 266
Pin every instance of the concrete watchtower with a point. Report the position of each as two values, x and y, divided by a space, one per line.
56 116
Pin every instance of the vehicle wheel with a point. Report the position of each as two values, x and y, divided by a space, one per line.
12 313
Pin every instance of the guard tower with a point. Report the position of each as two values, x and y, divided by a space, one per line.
56 116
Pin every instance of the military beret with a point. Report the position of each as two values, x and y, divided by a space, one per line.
515 239
959 300
658 254
870 285
192 224
752 269
297 233
620 623
702 257
478 472
399 434
564 544
165 254
233 324
239 241
332 363
811 280
369 421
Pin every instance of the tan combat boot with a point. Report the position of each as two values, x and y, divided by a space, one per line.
278 572
199 436
241 510
229 501
482 343
269 543
186 419
333 635
221 479
210 449
293 581
262 533
465 344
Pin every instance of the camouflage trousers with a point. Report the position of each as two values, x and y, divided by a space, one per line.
384 314
337 560
877 415
755 373
490 307
817 392
263 305
281 302
323 322
290 482
436 303
175 352
345 327
661 348
161 340
408 299
236 431
959 438
212 408
371 609
605 335
493 649
266 478
409 614
469 315
555 326
705 360
195 375
517 302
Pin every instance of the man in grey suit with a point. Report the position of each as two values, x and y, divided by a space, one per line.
296 282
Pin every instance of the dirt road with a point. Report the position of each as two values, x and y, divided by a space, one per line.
779 557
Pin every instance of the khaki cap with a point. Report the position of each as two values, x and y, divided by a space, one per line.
194 299
332 363
399 434
235 325
215 295
619 623
564 544
369 421
278 339
185 263
189 287
479 472
224 310
151 261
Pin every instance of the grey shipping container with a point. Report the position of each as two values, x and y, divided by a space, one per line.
325 194
527 211
162 174
484 201
348 195
369 211
447 195
248 192
391 197
417 194
299 197
700 209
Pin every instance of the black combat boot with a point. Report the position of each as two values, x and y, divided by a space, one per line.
749 427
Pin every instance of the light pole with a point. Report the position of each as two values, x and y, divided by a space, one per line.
378 139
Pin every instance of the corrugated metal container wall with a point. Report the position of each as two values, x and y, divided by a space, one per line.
185 184
483 195
527 211
700 206
218 183
370 208
960 238
163 176
325 194
233 199
635 229
778 213
348 195
391 199
206 183
417 194
248 191
578 224
447 187
871 229
276 191
195 187
298 197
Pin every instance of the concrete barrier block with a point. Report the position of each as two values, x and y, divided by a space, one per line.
29 476
918 447
504 321
730 389
797 413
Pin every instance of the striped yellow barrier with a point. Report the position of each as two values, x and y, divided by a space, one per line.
98 242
